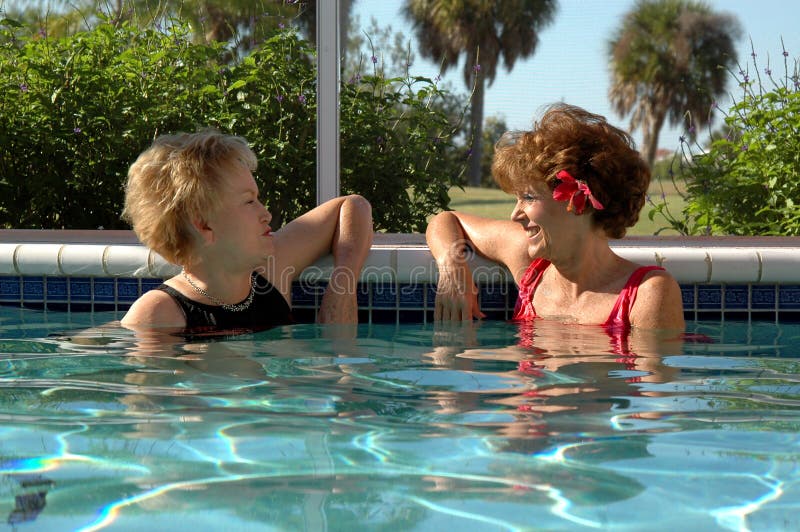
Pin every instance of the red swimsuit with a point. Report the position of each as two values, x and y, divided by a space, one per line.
620 314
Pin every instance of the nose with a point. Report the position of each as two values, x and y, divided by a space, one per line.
516 213
267 214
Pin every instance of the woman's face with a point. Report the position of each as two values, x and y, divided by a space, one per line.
547 223
241 223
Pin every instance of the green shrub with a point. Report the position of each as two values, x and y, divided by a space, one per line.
76 111
747 181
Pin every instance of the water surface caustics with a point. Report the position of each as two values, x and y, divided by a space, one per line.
492 426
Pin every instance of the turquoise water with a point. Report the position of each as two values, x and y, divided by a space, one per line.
397 427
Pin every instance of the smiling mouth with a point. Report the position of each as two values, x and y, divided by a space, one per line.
532 231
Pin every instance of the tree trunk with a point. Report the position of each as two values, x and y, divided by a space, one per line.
476 127
650 138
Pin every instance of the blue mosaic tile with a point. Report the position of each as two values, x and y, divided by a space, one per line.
513 294
104 290
736 297
362 295
687 296
80 289
493 296
384 295
127 289
430 288
789 297
709 297
57 289
149 284
762 297
304 294
10 288
412 296
33 288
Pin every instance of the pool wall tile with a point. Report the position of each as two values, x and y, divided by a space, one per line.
762 297
789 297
7 252
780 266
689 265
10 289
737 297
756 277
57 289
128 289
38 259
84 261
709 297
734 266
103 290
33 289
80 289
412 295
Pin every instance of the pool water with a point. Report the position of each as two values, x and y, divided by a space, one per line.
496 426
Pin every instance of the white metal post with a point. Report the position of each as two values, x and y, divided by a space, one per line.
327 100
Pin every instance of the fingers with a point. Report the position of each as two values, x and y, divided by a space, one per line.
458 309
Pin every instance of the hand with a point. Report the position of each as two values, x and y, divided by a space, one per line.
456 295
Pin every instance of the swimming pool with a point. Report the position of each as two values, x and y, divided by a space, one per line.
398 427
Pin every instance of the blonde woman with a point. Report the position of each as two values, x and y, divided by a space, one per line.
193 199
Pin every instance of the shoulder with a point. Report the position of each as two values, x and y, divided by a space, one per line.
658 304
154 308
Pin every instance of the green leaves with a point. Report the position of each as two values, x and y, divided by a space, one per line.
747 182
77 111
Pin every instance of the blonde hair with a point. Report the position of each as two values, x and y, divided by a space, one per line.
588 147
177 180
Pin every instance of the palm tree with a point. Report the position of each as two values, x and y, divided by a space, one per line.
670 60
484 31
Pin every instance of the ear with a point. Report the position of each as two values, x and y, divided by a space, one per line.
204 231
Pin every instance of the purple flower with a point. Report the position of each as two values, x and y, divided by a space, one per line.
477 68
43 33
746 78
301 98
379 140
374 60
279 97
281 25
23 87
745 147
76 130
437 78
691 130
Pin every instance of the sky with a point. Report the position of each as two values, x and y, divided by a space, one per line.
570 63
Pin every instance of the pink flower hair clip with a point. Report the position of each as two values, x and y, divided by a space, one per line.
576 192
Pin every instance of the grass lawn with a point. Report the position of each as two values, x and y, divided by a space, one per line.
494 203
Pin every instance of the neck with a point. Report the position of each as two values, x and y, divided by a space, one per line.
588 265
227 287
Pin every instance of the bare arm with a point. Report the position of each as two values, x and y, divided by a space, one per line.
450 236
659 304
342 227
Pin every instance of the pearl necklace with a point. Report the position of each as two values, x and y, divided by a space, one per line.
238 307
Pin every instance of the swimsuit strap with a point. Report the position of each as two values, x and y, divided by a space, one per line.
523 309
621 313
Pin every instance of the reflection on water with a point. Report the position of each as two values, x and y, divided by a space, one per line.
489 426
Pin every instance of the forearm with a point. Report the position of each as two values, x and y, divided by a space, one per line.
351 240
447 240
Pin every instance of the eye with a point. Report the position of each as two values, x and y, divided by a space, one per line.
528 198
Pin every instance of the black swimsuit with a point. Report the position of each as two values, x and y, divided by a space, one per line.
268 309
